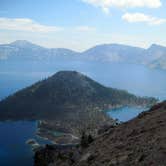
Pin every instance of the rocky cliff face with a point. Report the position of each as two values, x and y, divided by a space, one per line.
141 141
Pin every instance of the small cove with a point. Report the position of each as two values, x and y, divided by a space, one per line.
124 114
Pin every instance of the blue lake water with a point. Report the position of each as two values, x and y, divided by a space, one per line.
136 79
126 113
13 149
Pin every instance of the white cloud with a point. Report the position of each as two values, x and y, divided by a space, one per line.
140 17
25 24
85 28
106 4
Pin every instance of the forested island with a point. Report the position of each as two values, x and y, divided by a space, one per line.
68 102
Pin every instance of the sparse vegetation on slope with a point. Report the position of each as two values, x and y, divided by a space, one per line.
141 141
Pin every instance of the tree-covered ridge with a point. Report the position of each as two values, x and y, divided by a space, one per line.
64 92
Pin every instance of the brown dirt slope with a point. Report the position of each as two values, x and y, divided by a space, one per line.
139 142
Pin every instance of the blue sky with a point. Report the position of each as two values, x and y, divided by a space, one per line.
81 24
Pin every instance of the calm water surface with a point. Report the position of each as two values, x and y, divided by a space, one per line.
126 113
136 79
13 149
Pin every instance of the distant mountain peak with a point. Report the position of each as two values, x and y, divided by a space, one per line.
156 46
23 43
71 73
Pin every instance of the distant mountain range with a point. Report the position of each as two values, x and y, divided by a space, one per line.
21 50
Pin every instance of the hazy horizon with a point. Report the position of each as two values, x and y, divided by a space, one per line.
81 24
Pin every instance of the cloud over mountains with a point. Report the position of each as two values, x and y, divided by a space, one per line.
140 17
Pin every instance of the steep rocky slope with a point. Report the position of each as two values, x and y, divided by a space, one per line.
140 142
